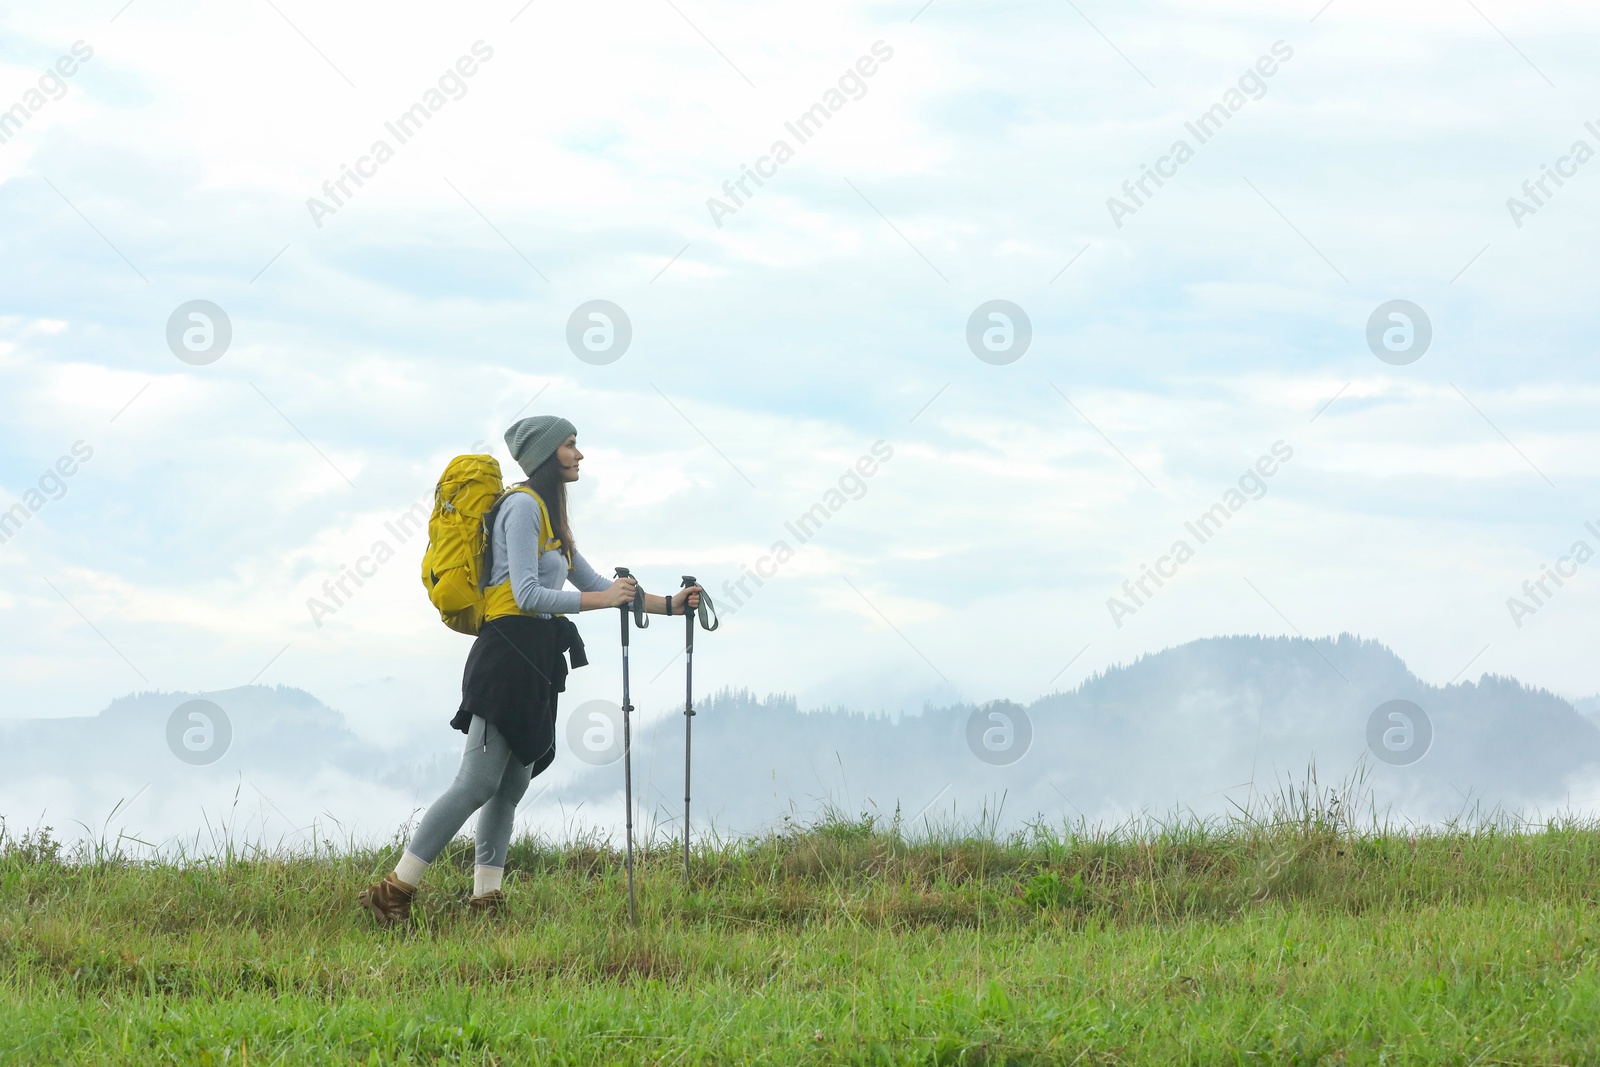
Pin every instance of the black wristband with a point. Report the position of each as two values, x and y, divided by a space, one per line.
668 599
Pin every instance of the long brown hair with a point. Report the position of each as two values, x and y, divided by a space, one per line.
546 480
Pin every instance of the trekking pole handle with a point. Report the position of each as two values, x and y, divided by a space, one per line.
708 610
640 619
688 631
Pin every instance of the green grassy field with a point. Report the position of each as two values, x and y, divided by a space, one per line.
1290 939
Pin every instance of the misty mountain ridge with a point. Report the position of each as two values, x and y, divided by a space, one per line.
1189 727
1194 727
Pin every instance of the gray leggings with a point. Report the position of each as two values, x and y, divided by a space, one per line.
492 779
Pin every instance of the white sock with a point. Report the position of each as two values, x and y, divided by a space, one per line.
410 869
486 879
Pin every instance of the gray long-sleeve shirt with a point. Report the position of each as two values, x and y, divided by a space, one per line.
536 580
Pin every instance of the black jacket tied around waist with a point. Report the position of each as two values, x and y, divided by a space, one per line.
515 669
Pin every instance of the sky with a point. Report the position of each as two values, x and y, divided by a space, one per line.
1179 334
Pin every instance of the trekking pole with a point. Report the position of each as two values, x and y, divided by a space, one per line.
688 700
627 733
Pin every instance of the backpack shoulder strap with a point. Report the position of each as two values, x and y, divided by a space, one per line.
547 535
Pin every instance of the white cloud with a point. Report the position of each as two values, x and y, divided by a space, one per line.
807 327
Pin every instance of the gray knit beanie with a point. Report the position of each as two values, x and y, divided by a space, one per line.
534 440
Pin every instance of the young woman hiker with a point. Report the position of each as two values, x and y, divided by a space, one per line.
516 667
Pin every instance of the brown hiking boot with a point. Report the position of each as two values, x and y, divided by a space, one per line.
389 900
491 903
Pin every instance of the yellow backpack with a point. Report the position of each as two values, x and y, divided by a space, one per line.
469 491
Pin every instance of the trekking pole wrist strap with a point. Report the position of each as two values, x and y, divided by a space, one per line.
708 610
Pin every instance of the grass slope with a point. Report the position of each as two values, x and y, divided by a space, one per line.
1291 939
